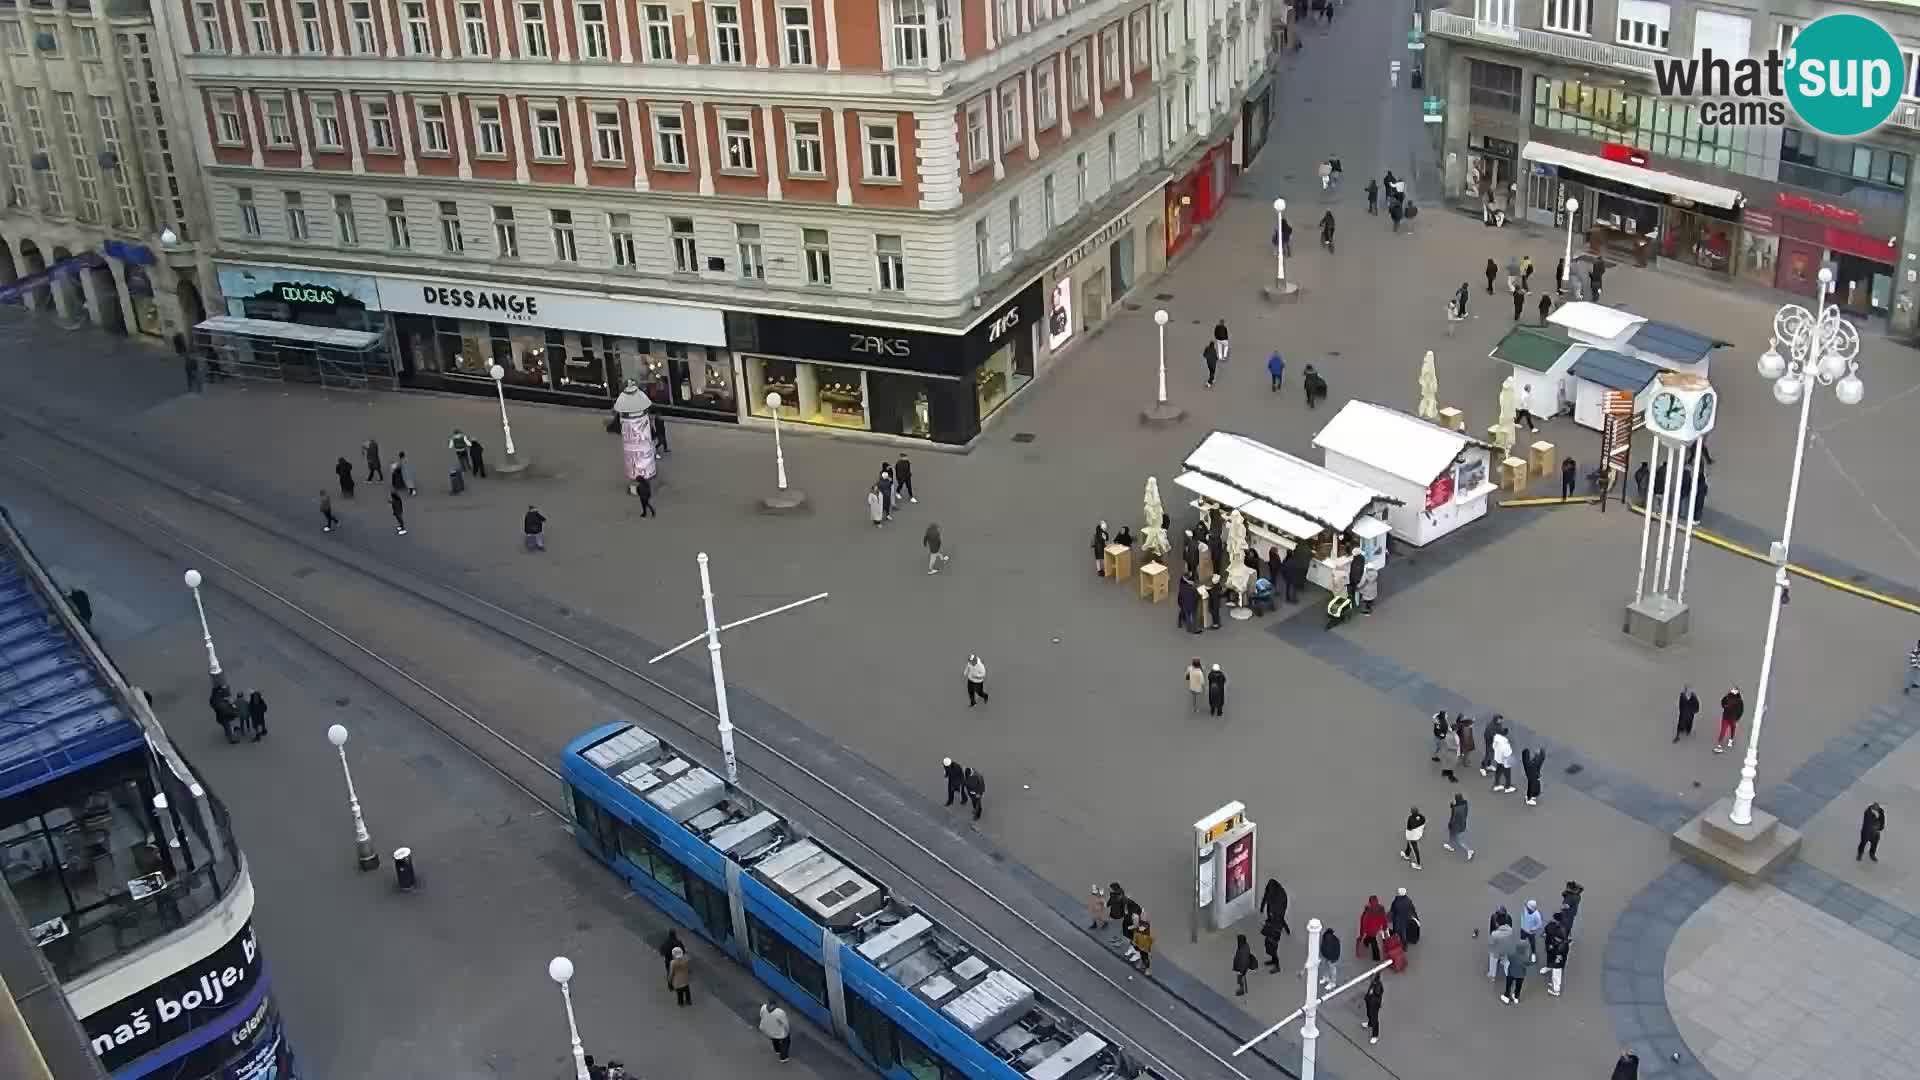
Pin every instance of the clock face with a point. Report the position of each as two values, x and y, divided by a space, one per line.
1669 412
1703 413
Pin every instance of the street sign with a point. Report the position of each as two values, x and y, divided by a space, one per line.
1430 118
1416 46
1434 110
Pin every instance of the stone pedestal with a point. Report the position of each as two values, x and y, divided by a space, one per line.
510 465
1743 853
1163 414
784 501
1284 292
1656 620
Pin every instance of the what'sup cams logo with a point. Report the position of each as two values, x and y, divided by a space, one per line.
1842 77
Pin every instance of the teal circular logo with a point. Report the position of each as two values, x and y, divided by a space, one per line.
1844 75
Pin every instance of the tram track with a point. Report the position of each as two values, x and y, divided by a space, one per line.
166 513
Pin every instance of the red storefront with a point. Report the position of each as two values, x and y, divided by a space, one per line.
1786 245
1197 196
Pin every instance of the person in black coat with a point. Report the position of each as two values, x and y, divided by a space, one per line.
1492 272
1628 1067
975 783
1570 904
1276 567
1532 760
476 457
1689 708
375 470
1356 573
1190 552
344 470
1296 572
1569 471
956 780
1376 993
1216 691
1872 824
1273 905
666 948
903 479
257 715
1329 958
1314 386
1400 916
1188 603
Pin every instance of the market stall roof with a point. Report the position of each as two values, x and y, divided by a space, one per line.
1676 343
1536 348
1324 498
1634 175
1614 371
1213 490
1595 320
1398 444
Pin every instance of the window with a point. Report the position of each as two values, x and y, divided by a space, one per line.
943 28
82 155
296 216
659 20
489 135
533 28
206 15
379 126
506 234
450 239
128 202
736 140
669 139
1167 37
609 144
565 247
1495 13
1493 86
890 263
1788 31
1077 78
87 42
799 968
686 252
819 256
796 31
620 235
249 213
279 128
1046 98
1110 58
1048 200
1083 175
909 33
1013 224
473 27
226 121
1664 128
312 39
419 35
433 126
753 259
1142 49
1864 173
979 146
980 247
1011 132
326 123
14 35
1643 23
1006 22
259 27
727 48
397 234
549 142
882 150
808 152
1140 136
344 225
1568 16
1113 157
593 31
365 42
875 1032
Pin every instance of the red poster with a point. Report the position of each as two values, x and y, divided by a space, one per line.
1239 867
1440 491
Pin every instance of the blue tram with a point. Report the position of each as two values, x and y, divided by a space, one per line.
909 997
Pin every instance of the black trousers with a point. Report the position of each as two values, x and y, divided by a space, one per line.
974 797
1217 706
1566 487
1869 844
1513 986
1373 947
783 1047
683 995
1533 785
904 485
375 472
646 507
954 790
1373 1021
1503 776
975 690
1273 953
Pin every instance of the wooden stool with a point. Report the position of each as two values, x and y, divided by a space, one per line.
1153 582
1540 458
1119 561
1513 474
1451 417
1207 569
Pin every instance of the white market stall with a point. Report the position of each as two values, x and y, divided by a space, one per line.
1441 478
1288 501
1595 373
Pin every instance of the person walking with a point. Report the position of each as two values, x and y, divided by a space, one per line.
1628 1067
476 457
659 426
1457 812
1519 297
1316 387
1495 726
976 785
1532 761
1100 550
1545 306
1732 708
877 510
534 525
976 673
1913 667
680 978
399 512
1376 994
457 442
1560 276
1211 355
1326 230
1396 212
1872 824
1416 828
643 488
1531 923
884 485
956 780
1142 937
403 474
1460 296
1329 959
1373 927
1502 763
1097 909
1569 471
1463 735
327 520
1403 919
1519 955
1221 343
1440 729
1554 939
1500 934
1216 690
1196 685
1286 238
932 542
1640 474
1243 962
903 478
1276 368
343 471
1492 272
370 450
257 716
1273 908
1526 273
1373 195
773 1024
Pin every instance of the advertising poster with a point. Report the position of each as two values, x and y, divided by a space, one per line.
1060 313
1239 867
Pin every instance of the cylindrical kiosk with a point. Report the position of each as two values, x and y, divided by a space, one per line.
637 450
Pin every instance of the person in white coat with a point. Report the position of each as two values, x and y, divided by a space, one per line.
773 1024
976 671
1502 762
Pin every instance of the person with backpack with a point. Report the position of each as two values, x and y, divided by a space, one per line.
1243 962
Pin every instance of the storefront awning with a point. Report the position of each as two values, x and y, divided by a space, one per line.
1634 176
328 337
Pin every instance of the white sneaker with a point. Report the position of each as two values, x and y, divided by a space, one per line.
1416 866
1375 1039
1406 856
1449 847
1533 802
402 532
1504 1000
933 571
1553 993
1484 772
1469 854
913 500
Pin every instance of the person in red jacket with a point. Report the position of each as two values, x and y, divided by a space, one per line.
1732 708
1373 925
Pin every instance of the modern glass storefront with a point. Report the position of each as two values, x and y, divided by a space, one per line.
1666 129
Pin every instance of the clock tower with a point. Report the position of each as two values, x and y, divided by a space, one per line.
1683 409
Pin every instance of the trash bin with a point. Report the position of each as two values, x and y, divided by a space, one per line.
403 869
456 480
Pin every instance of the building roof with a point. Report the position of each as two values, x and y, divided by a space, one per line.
1614 371
1398 444
1673 342
1597 321
1293 484
1536 348
57 715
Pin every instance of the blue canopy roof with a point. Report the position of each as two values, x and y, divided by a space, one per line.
57 716
1614 371
1672 342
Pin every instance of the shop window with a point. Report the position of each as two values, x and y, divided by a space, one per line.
769 376
1703 241
1493 86
842 396
1870 176
781 955
704 381
587 368
997 378
1759 257
809 393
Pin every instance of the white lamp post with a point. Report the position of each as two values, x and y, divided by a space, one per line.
362 843
779 455
1309 1012
512 463
1566 264
1160 320
1280 242
560 970
219 678
1161 413
1820 348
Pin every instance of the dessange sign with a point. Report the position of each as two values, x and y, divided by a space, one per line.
484 302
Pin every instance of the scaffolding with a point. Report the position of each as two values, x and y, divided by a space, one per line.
230 347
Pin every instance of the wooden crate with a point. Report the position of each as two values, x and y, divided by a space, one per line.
1153 582
1453 418
1513 474
1119 561
1540 458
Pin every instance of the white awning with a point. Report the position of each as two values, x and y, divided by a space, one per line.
319 336
1634 176
1293 485
1212 490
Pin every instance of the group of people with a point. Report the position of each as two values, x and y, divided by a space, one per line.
1453 749
1733 706
469 456
1203 594
1112 908
239 717
1384 930
1399 207
1513 950
963 783
1686 489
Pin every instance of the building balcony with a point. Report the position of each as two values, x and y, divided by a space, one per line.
1578 50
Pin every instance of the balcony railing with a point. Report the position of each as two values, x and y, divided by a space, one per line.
1576 49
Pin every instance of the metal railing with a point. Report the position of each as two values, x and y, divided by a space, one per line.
1577 49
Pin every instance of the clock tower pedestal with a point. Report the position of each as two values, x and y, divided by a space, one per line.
1657 620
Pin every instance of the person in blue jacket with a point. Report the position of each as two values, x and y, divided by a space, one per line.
1276 367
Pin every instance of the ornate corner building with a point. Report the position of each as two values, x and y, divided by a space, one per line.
1547 100
891 213
102 218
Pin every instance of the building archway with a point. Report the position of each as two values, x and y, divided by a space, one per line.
103 295
192 309
67 300
29 261
8 272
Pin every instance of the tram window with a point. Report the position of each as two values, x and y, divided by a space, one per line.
589 816
710 904
804 971
874 1030
653 862
920 1062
